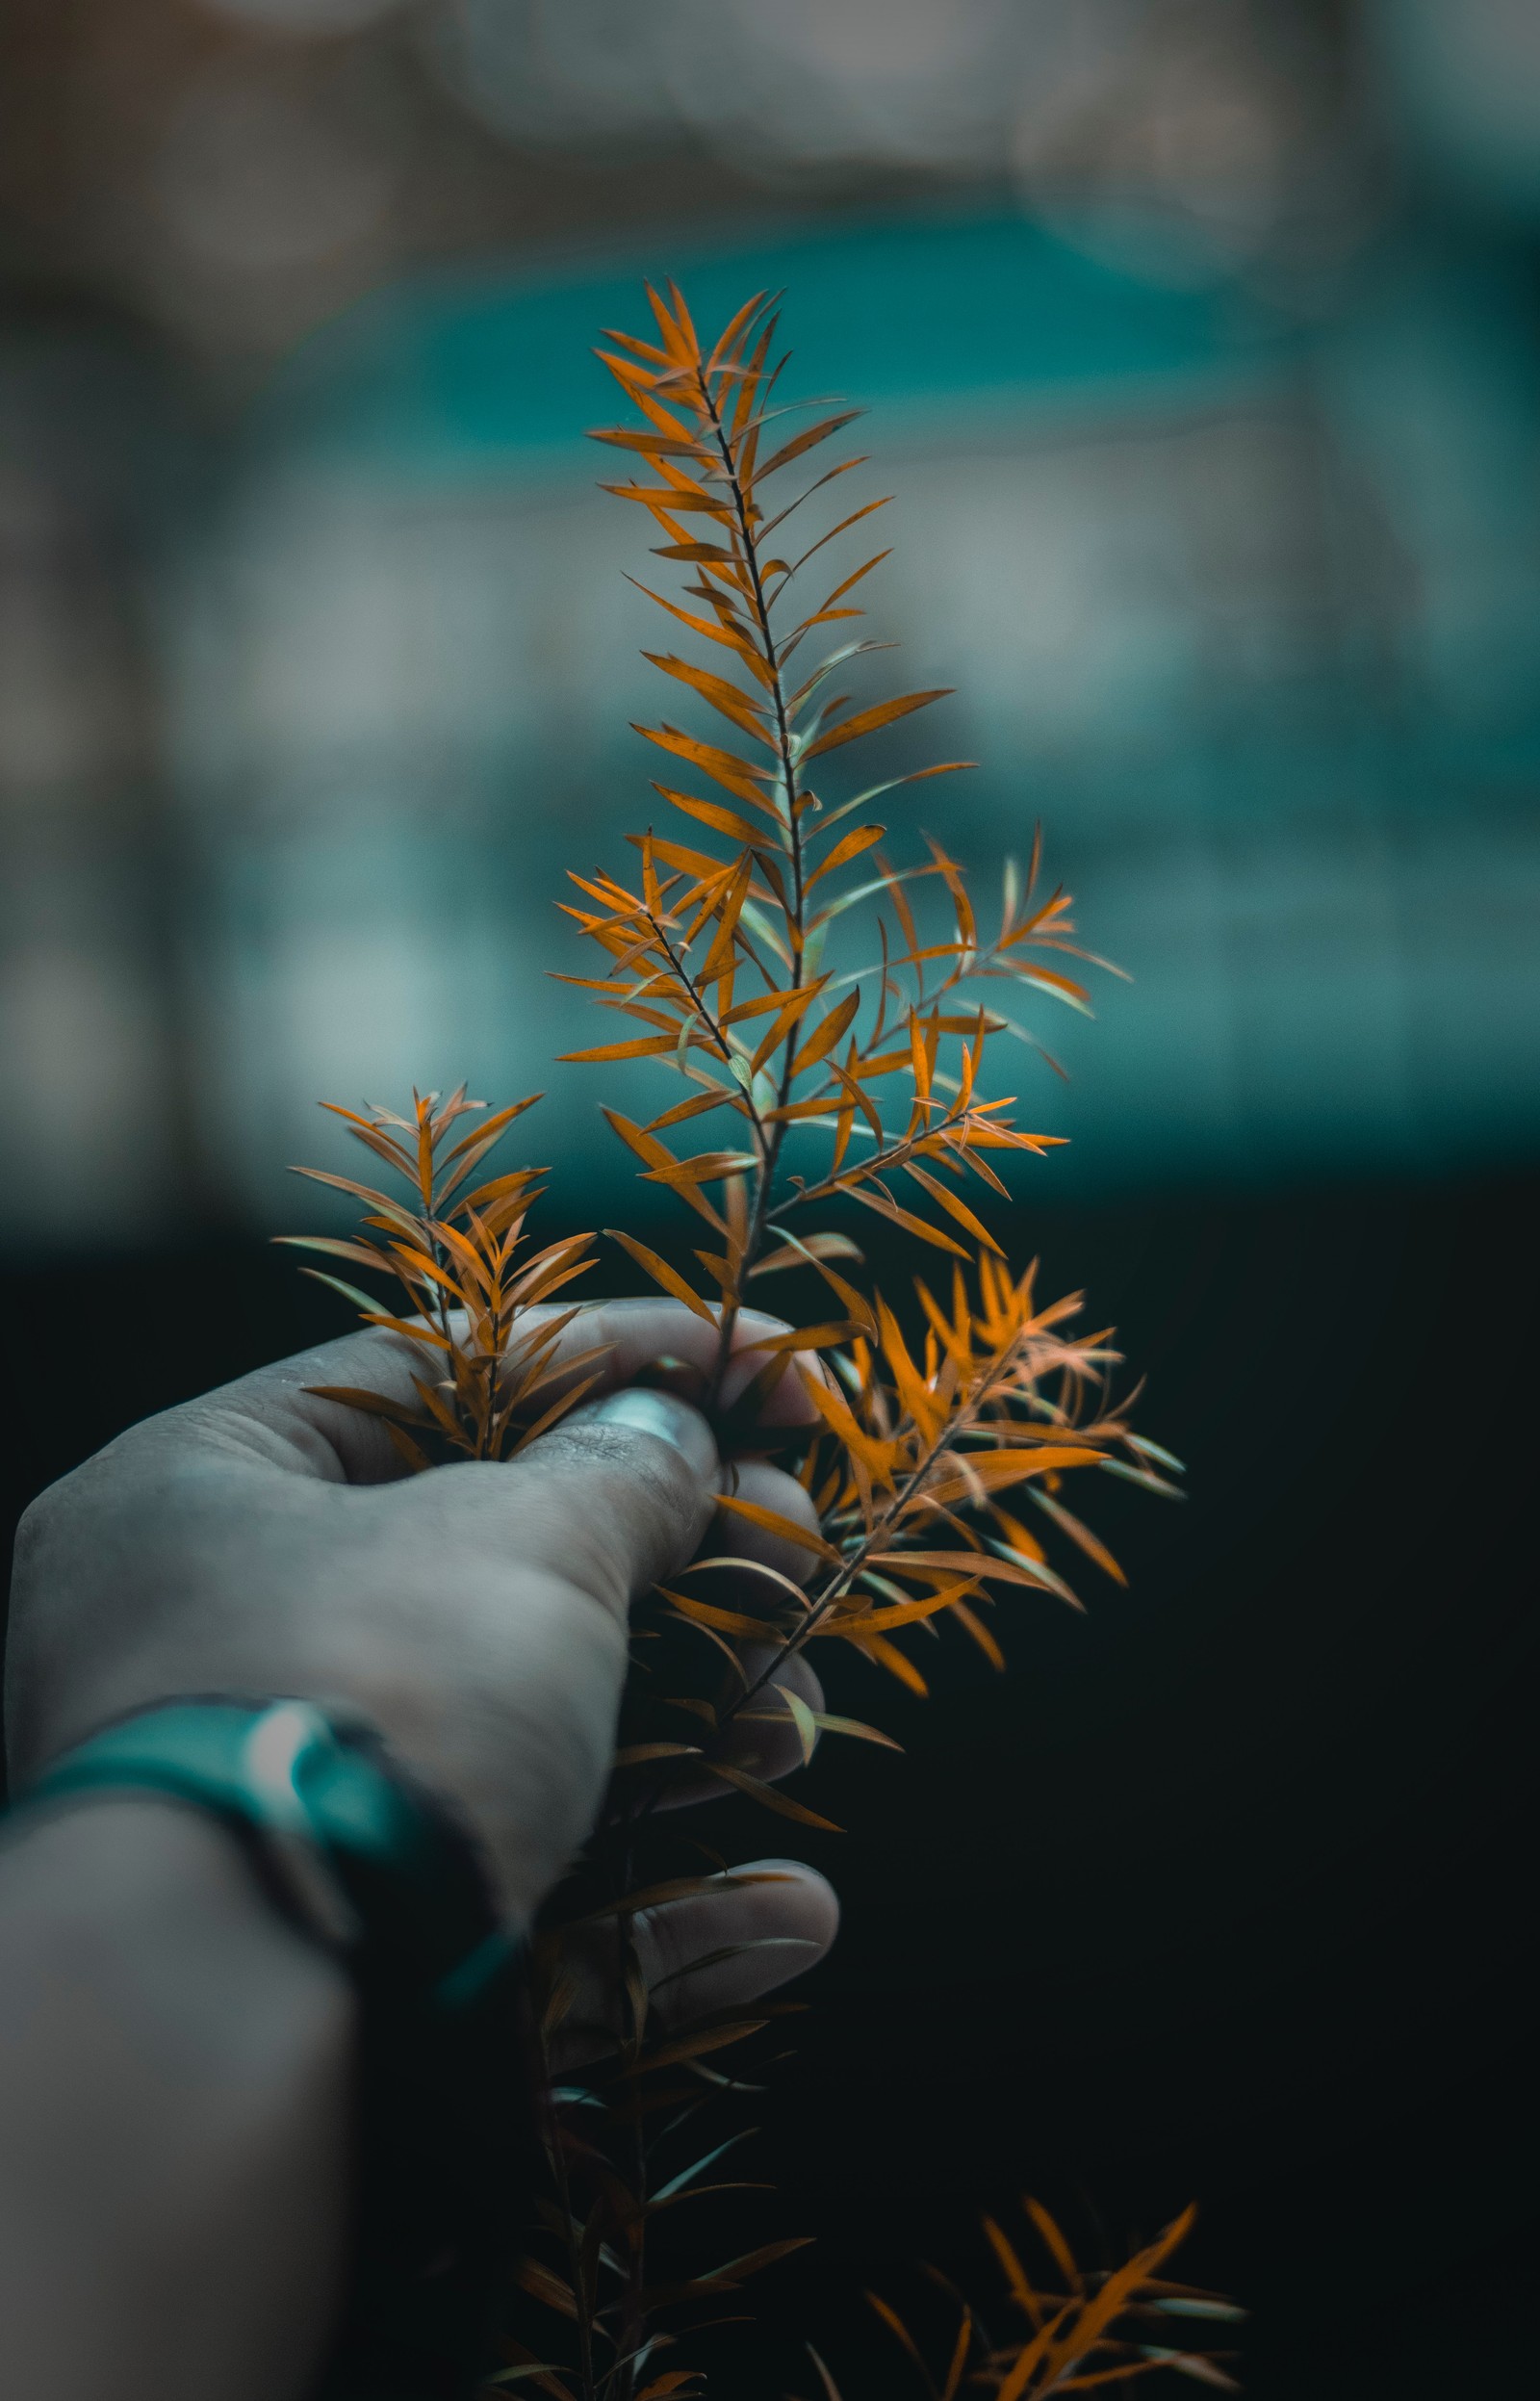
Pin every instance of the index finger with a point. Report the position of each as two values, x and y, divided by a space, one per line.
275 1413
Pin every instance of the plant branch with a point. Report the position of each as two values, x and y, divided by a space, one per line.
964 1422
864 1169
747 549
708 1020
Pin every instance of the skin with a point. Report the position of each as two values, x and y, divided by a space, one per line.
174 2061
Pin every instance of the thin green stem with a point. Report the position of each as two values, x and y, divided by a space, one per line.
747 549
632 2315
585 2332
708 1020
864 1169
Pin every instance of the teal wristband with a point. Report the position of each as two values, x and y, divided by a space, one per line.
377 1868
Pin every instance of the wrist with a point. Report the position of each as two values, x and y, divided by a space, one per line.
379 1874
176 2065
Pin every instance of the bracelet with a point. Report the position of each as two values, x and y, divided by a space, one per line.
377 1870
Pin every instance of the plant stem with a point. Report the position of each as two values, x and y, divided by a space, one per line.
745 544
585 2334
864 1169
698 1001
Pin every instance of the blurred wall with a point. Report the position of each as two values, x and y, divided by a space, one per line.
1201 348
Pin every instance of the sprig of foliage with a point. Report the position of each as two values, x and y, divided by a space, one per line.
1081 2329
466 1293
932 1426
722 957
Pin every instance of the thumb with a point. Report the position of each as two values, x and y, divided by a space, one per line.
513 1712
613 1498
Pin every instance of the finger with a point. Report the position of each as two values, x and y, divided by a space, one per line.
764 1738
734 1537
762 1735
540 1558
611 1501
277 1415
638 1332
719 1948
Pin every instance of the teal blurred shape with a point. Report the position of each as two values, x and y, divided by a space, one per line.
906 313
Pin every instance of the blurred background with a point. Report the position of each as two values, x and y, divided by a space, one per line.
1201 344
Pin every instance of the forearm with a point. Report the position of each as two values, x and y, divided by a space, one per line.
174 2067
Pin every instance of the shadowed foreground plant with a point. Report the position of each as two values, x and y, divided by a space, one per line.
836 1088
1078 2331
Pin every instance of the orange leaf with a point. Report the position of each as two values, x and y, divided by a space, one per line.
871 720
642 1754
995 1469
874 1455
696 553
1020 2280
980 1633
662 1274
697 862
824 1037
762 1004
872 1197
810 1337
1081 1535
696 1106
724 697
649 1046
737 330
546 2287
650 444
910 1613
373 1403
849 846
712 814
722 1620
891 2319
1115 2293
954 1207
887 1655
708 1167
669 499
1047 2225
807 1251
657 1155
791 1014
773 1522
361 1253
805 441
636 1138
756 1790
723 766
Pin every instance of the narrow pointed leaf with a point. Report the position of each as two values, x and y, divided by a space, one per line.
666 1277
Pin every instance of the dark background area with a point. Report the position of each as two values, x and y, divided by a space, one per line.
1224 1891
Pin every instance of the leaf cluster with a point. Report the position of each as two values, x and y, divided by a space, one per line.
721 955
1078 2331
487 1384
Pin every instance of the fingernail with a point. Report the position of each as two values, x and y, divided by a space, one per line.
681 1377
744 1367
746 1362
660 1413
786 1403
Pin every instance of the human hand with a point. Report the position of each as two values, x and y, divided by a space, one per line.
264 1541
